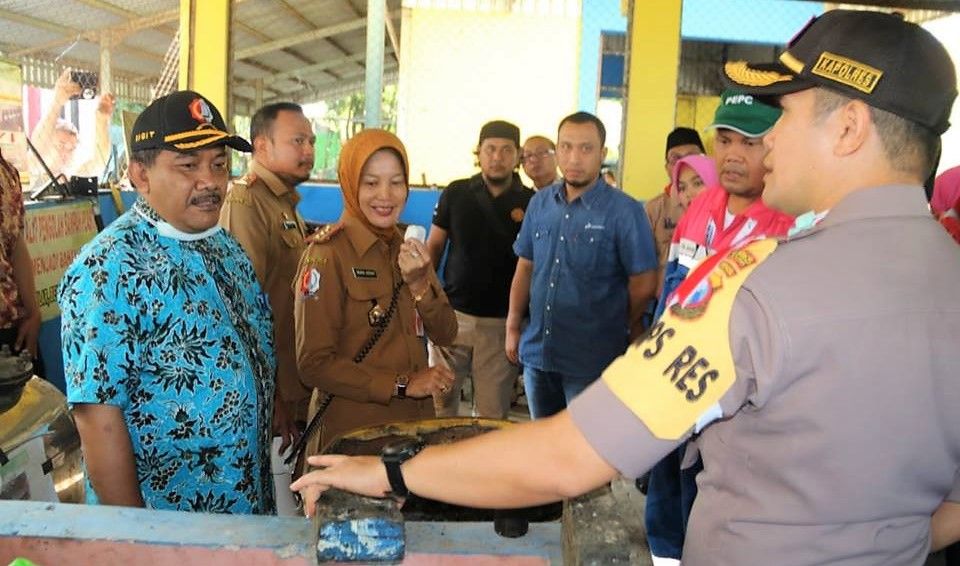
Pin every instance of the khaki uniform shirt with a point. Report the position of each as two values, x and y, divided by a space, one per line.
339 283
261 213
840 434
664 214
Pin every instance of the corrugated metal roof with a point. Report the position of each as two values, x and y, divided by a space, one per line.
299 50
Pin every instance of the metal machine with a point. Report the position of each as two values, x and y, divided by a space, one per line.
40 457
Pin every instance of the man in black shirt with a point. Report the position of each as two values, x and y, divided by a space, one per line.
480 217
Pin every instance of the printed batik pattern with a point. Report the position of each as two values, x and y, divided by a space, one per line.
178 335
11 227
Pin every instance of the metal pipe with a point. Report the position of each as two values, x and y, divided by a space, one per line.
376 12
106 48
394 41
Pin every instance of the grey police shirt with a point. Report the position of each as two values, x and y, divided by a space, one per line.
841 433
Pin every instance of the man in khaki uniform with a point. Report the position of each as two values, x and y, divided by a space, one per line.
665 209
261 213
819 370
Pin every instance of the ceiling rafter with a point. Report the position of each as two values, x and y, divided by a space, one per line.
302 72
108 7
313 35
348 83
34 22
264 37
310 25
76 46
27 20
120 31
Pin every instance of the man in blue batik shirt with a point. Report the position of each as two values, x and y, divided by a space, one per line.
167 337
586 271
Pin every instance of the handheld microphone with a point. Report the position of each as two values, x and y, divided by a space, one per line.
415 232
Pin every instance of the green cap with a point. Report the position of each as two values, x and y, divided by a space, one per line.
744 114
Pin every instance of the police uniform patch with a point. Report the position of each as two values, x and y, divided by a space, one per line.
310 282
288 223
684 366
846 71
326 233
239 193
310 261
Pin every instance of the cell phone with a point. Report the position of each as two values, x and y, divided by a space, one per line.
88 82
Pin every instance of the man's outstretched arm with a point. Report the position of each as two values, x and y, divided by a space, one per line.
526 464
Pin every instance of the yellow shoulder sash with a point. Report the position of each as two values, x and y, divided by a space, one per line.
684 365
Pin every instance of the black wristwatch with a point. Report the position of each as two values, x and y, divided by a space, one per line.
400 386
395 454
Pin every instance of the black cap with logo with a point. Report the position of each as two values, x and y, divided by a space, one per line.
183 121
879 58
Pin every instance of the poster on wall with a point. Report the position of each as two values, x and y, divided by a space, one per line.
13 138
54 235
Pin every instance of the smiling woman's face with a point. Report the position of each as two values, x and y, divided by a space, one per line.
383 189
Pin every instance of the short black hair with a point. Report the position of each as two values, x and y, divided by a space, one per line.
909 146
585 118
263 119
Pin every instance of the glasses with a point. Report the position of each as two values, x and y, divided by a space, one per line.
537 155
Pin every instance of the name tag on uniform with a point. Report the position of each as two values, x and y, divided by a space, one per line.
689 253
362 273
418 324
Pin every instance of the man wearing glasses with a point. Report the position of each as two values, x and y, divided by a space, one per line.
539 158
480 217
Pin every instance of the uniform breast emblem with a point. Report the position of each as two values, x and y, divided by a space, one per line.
310 282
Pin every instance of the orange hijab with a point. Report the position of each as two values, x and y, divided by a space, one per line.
353 156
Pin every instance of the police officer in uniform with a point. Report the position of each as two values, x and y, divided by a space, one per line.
819 370
261 213
366 301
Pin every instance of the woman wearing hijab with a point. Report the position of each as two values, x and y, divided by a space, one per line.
366 302
946 191
688 177
692 174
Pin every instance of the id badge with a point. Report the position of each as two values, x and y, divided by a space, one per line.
418 323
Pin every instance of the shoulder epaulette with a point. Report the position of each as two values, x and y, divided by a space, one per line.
325 234
239 189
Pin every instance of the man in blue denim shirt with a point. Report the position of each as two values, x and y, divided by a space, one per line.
586 270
